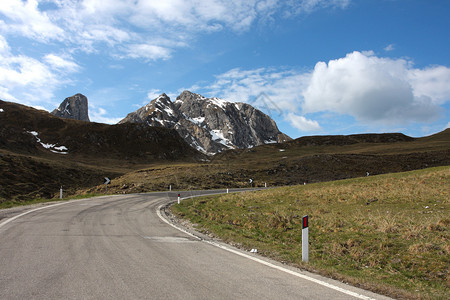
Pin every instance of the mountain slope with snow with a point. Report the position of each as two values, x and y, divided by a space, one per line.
210 125
40 152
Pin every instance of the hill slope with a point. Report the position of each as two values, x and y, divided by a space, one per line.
305 160
40 152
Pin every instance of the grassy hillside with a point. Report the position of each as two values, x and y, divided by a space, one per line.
29 170
389 233
141 158
308 159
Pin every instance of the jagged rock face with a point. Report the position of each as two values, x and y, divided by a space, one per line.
75 107
210 125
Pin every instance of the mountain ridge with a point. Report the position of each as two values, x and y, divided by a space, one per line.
210 125
39 152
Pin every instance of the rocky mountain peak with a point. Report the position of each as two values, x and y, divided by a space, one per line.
210 125
74 107
163 99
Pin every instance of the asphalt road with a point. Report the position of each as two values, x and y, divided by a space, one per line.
117 247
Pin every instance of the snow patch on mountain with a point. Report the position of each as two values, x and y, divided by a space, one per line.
219 102
217 135
270 142
52 147
198 121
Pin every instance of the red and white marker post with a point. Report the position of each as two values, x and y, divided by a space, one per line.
305 239
178 198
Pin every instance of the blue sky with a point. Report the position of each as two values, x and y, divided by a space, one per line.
316 66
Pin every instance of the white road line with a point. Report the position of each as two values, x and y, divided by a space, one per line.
158 212
53 205
303 276
29 212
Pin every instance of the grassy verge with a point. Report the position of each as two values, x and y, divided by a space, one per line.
388 233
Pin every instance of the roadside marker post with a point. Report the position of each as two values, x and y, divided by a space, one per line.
170 188
61 193
305 238
227 191
107 181
178 198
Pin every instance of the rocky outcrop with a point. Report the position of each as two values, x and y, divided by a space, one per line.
75 107
210 125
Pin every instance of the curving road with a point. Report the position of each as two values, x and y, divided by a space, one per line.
117 247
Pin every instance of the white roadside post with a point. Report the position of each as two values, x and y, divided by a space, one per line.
61 193
227 190
107 181
170 188
305 242
178 198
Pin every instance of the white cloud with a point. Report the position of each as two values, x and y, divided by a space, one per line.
4 47
309 6
267 88
25 18
59 63
374 89
99 115
389 48
149 29
432 82
195 15
276 92
301 123
28 79
153 94
5 95
97 33
148 52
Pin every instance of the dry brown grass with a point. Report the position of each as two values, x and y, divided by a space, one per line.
389 233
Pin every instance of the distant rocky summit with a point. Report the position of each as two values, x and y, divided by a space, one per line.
210 125
75 107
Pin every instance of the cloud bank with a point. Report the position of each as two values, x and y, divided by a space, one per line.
28 78
373 90
143 30
146 29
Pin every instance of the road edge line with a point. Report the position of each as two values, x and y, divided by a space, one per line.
45 207
29 212
258 260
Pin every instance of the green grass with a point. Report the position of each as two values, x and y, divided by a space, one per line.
388 233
